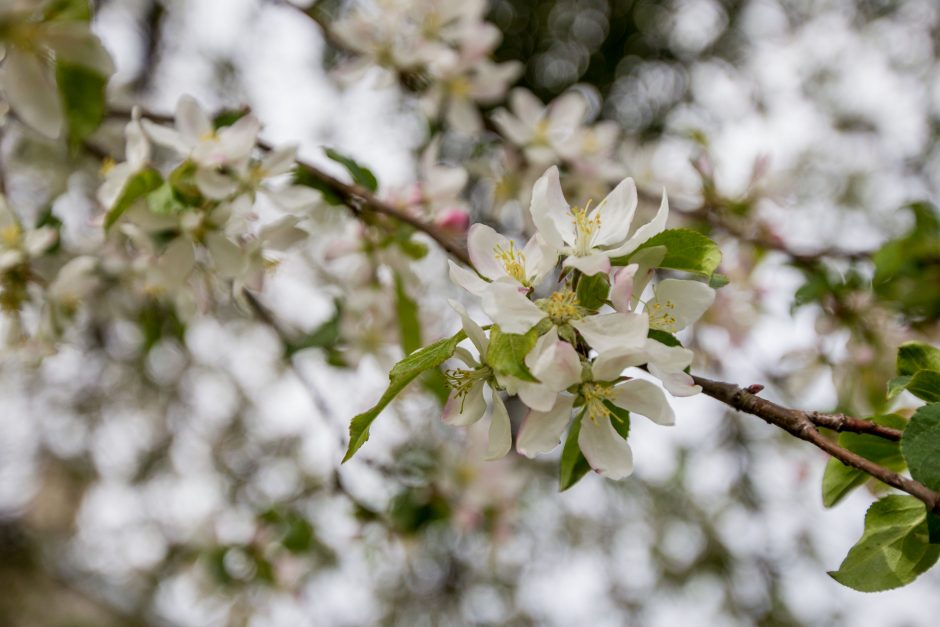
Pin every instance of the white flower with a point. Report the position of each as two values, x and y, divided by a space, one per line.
544 132
496 257
467 404
589 237
137 153
677 303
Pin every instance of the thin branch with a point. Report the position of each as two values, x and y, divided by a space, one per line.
841 422
801 424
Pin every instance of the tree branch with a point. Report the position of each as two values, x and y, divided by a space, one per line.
802 425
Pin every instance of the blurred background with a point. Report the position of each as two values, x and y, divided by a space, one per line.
159 471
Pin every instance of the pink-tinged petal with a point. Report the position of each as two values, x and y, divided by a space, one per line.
454 220
616 214
621 292
500 430
653 227
597 263
482 244
535 395
541 430
191 121
471 328
511 310
540 259
467 279
550 211
215 185
466 410
677 303
30 89
604 449
614 332
647 399
677 383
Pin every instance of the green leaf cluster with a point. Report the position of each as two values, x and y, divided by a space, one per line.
686 251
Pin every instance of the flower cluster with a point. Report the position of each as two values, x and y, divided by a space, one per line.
564 352
201 208
439 47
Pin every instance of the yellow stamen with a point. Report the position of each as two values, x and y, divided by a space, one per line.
660 315
594 396
10 235
107 165
562 306
585 227
461 381
513 262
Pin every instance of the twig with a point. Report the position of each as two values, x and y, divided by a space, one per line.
841 422
801 424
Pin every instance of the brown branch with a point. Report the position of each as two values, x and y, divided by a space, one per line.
841 422
801 424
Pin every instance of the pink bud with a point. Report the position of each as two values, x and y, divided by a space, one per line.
456 220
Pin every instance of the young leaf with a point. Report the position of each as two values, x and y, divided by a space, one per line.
593 290
914 356
82 91
573 465
506 352
409 326
925 385
686 250
839 479
137 186
893 550
360 174
403 373
921 445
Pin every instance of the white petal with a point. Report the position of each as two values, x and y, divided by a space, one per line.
616 213
507 307
30 89
668 358
512 128
294 198
540 259
604 449
37 242
500 430
471 328
237 140
166 137
682 300
553 362
466 410
482 244
653 227
282 234
596 263
644 398
137 151
608 366
191 121
467 279
550 211
541 431
614 332
229 259
280 160
565 115
526 106
676 383
621 292
215 185
177 261
535 395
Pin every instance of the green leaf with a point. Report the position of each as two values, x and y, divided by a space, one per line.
163 201
403 373
573 465
915 356
409 326
686 250
925 385
360 174
327 335
228 117
663 337
506 352
79 10
619 418
592 290
137 186
82 91
897 385
307 178
718 281
839 479
921 445
893 550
